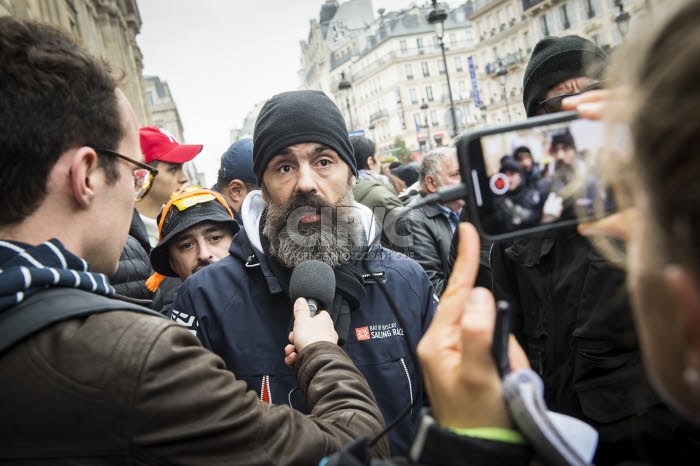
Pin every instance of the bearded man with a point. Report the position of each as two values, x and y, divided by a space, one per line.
303 160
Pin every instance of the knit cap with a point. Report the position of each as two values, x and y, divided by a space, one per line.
296 117
556 59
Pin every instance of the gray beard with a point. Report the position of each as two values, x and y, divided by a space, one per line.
333 240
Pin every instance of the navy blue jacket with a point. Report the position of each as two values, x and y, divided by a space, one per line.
238 310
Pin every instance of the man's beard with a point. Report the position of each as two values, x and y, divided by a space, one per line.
333 239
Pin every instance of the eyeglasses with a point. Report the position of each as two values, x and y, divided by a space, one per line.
553 105
143 176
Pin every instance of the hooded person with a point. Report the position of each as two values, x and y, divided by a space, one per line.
520 205
560 67
304 163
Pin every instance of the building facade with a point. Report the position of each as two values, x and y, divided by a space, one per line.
397 77
508 30
107 28
164 114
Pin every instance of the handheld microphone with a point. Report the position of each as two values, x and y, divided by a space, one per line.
315 281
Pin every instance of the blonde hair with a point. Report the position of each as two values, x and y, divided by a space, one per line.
659 74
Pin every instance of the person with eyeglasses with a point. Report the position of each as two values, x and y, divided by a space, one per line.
121 385
571 311
160 149
558 68
134 268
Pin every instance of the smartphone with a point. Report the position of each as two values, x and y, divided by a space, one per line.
534 176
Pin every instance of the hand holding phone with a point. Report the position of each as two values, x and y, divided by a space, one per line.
534 176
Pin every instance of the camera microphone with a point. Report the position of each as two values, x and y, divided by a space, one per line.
315 281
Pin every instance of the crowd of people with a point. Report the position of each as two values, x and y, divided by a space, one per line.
196 353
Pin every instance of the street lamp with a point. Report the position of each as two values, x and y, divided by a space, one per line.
424 107
344 86
501 72
622 19
437 17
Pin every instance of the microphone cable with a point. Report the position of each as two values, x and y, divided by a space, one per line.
448 194
411 353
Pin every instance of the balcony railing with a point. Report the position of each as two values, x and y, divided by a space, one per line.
527 4
509 60
378 115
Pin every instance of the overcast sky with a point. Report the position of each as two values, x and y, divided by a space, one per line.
220 57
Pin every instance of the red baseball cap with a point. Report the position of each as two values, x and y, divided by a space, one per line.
158 144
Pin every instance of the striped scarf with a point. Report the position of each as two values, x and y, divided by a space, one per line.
26 269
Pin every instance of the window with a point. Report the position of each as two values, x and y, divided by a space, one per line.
458 64
413 95
404 47
571 13
429 93
526 40
514 45
409 70
551 22
426 70
441 66
436 42
445 92
564 16
469 36
149 97
544 28
511 14
434 118
462 86
419 43
417 121
501 19
590 8
492 24
453 40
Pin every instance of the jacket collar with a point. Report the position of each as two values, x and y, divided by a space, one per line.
247 248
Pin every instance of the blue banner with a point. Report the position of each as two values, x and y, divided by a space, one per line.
357 132
475 84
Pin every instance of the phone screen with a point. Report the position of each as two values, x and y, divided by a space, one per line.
537 176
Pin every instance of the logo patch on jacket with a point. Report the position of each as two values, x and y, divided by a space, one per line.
362 333
379 331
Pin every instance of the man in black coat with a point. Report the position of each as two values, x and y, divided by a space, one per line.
571 312
428 229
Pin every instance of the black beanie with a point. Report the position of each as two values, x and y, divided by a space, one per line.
556 59
510 164
563 137
295 117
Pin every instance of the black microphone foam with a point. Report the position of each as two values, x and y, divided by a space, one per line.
313 280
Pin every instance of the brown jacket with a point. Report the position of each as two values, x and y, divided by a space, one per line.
125 388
